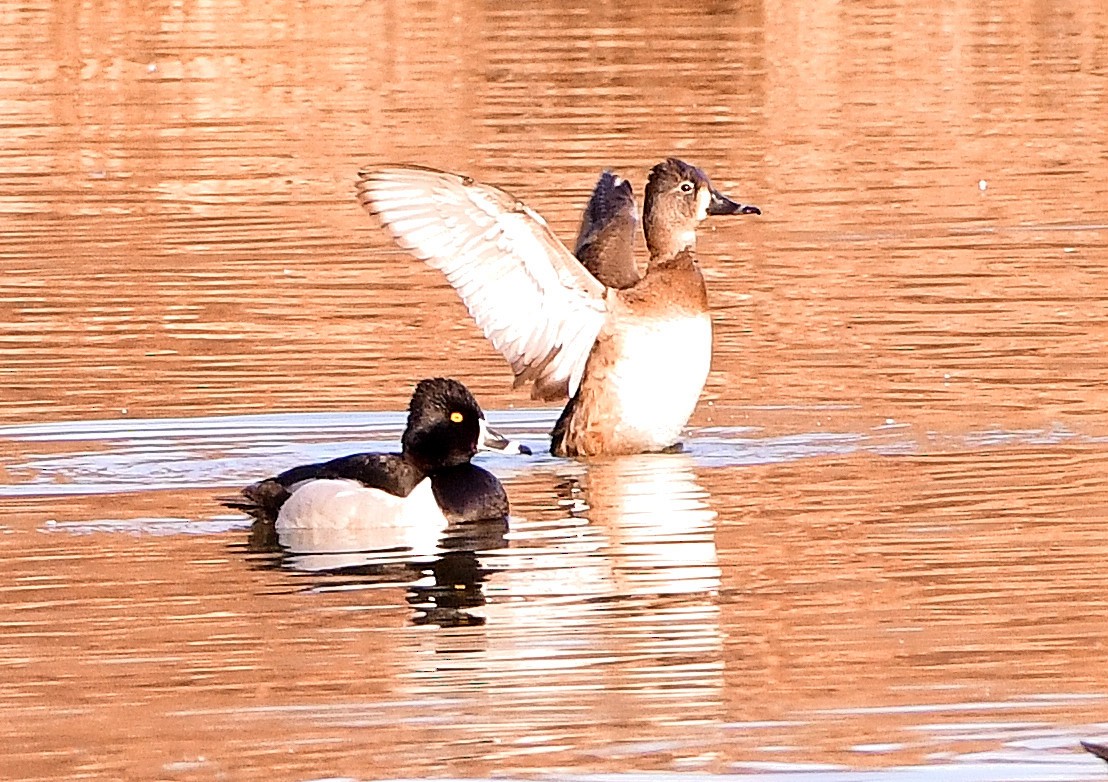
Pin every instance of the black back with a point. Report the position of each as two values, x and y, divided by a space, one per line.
558 433
390 472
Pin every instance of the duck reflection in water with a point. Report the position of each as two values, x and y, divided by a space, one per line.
391 515
659 528
613 593
443 574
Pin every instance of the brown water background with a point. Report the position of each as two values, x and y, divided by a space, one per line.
882 556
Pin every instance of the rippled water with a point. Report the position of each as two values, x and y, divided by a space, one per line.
880 557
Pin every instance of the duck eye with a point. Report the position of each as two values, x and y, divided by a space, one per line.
686 186
456 417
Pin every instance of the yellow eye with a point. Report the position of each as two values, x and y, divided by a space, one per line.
456 417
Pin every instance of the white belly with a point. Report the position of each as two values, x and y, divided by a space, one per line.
659 375
341 515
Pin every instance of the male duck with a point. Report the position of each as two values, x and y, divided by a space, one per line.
632 354
430 482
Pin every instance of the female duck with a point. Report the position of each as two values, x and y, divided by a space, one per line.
631 354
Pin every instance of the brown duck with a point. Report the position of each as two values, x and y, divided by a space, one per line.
632 353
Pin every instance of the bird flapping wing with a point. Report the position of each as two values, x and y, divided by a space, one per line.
532 299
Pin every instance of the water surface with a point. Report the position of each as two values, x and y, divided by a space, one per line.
880 557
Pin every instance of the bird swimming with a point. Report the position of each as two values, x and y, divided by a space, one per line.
431 481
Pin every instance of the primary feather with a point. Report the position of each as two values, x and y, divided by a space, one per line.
533 300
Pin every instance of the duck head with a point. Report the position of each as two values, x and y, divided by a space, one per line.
446 426
678 197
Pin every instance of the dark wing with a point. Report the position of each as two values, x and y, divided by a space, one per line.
533 300
386 471
606 241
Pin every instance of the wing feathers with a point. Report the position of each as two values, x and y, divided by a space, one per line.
533 300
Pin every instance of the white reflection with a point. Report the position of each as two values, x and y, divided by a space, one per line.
438 566
612 608
661 530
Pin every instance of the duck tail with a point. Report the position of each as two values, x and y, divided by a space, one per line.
262 500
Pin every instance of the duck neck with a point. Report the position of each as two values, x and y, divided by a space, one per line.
667 241
430 453
429 462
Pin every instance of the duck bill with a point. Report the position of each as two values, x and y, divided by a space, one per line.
492 440
719 204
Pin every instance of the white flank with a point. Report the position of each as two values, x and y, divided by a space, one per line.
659 375
341 515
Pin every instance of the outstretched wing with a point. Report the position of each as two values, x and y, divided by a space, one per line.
533 300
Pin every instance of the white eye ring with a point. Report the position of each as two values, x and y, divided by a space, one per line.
686 186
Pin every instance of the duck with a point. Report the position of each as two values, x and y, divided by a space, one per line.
631 353
431 482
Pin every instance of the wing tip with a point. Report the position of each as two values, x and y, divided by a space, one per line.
374 180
